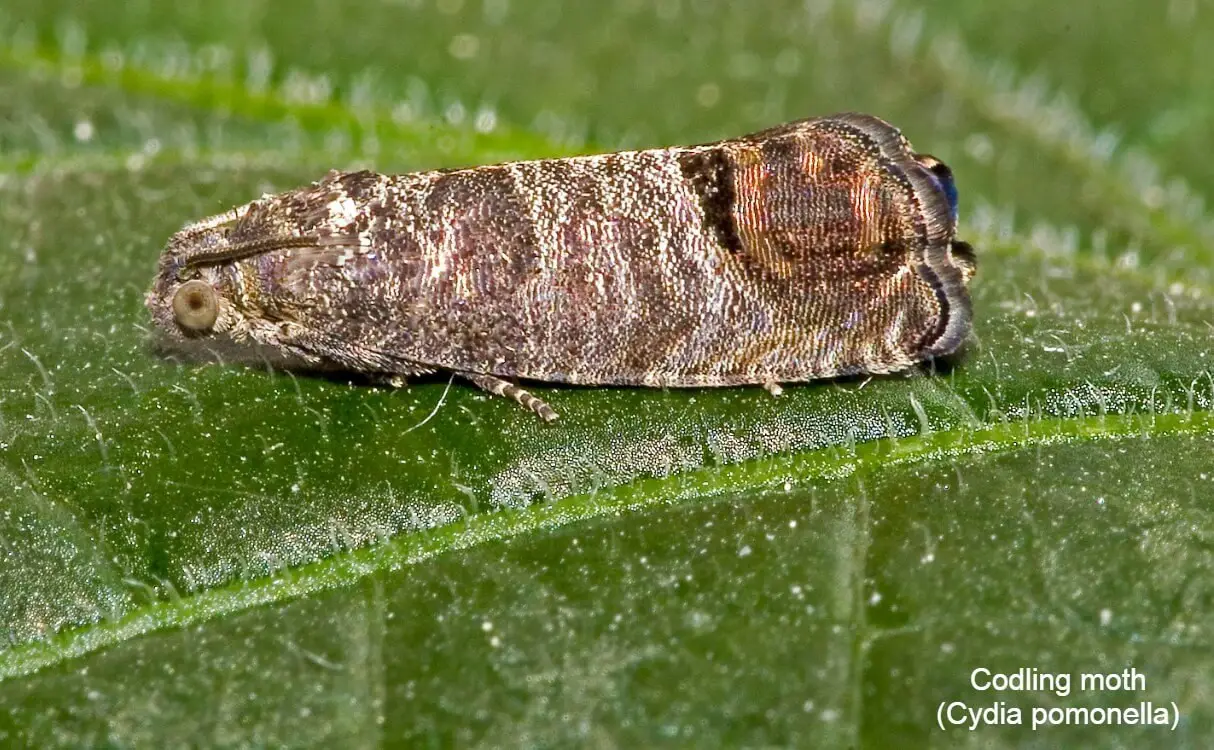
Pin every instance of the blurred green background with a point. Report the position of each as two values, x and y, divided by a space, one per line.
203 555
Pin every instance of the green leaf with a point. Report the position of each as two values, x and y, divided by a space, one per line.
225 556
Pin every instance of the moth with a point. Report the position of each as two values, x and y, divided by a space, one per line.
819 248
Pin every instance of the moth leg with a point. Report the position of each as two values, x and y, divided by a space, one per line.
774 389
399 378
499 387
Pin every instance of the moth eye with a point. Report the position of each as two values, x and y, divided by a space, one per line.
194 306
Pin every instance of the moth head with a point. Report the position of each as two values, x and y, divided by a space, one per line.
232 287
201 301
192 305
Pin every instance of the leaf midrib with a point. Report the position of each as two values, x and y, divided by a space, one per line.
758 475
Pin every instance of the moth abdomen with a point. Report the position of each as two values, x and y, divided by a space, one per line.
818 248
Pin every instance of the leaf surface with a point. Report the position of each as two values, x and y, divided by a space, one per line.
222 555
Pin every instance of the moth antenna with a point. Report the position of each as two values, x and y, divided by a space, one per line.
249 248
